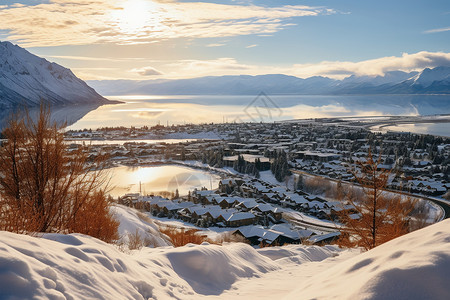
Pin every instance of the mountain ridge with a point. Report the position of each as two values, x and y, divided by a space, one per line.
428 81
26 79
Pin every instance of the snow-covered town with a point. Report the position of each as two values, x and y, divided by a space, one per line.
235 149
275 177
315 147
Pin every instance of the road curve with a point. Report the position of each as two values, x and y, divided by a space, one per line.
443 204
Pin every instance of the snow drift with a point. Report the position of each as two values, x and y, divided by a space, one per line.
80 267
132 224
414 266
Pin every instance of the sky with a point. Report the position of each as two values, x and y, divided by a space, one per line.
170 39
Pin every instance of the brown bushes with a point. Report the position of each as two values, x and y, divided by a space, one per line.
46 188
181 236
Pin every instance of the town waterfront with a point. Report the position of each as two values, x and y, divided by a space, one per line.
148 110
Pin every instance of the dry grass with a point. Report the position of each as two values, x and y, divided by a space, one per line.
144 217
182 236
316 185
135 241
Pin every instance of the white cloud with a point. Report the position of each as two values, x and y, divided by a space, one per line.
147 71
252 46
62 22
438 30
336 69
214 67
188 68
215 45
406 62
83 58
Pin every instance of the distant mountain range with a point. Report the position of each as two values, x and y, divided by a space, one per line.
429 81
26 79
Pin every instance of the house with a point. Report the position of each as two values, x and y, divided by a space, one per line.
240 219
199 196
228 185
253 234
263 210
246 204
264 162
228 202
323 239
271 197
273 236
317 156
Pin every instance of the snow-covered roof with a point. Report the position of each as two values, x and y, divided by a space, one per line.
248 203
321 237
241 216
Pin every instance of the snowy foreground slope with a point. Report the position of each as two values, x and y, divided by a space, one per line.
416 266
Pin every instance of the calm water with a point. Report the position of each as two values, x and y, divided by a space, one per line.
159 178
442 129
151 110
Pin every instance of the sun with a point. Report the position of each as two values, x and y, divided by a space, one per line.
135 15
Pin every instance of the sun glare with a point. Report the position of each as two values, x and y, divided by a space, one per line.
135 15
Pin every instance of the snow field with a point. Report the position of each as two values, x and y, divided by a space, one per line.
56 266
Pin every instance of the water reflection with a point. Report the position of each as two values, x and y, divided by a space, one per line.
159 178
150 110
442 129
59 114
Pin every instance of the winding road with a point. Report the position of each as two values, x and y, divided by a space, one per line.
444 205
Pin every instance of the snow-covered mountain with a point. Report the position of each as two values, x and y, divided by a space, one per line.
429 81
27 79
432 76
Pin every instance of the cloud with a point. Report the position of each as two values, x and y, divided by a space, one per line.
214 67
83 58
252 46
189 68
77 22
437 30
333 69
147 71
406 62
215 45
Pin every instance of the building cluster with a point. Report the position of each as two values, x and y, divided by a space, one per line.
420 162
254 208
258 210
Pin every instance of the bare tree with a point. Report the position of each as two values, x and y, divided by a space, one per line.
45 187
377 216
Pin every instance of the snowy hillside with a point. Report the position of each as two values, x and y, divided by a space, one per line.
429 76
415 266
27 78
